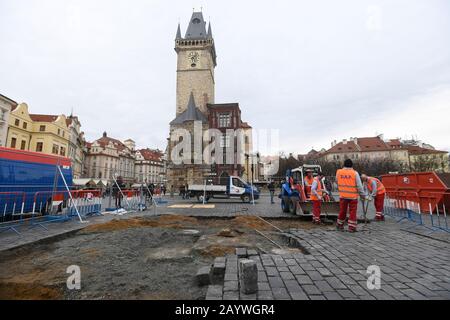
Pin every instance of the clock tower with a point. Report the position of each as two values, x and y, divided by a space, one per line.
195 65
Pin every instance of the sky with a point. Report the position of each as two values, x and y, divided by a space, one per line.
314 71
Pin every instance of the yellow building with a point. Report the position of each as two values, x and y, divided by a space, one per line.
37 132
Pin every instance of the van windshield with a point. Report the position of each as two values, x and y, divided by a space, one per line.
238 183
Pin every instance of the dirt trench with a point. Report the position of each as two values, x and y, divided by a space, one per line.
135 258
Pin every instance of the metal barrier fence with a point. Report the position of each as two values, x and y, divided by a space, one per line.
47 206
407 205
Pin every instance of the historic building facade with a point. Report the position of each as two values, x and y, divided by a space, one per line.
196 113
37 132
108 157
150 166
77 147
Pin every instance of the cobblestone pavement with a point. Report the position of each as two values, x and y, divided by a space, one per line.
412 267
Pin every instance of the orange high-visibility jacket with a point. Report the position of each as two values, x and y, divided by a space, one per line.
309 181
380 186
346 181
318 190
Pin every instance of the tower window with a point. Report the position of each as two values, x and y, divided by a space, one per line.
224 120
196 21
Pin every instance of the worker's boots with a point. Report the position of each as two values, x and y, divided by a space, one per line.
379 218
352 229
339 227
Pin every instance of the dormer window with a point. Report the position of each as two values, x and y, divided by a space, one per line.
196 21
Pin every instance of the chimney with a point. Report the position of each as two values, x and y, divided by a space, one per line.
104 134
344 141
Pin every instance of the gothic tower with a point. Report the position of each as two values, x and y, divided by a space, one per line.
195 66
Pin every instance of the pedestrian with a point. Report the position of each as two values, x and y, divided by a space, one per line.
163 189
271 187
317 193
117 192
182 191
349 187
377 192
171 191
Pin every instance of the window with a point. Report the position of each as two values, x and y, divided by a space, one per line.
13 142
224 120
63 151
25 125
17 122
59 132
23 144
39 146
225 141
42 128
55 149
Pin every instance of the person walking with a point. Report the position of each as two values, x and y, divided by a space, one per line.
349 187
271 187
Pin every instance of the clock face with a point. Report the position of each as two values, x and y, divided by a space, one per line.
193 57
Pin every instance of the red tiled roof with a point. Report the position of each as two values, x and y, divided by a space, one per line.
151 155
360 144
43 117
245 125
416 150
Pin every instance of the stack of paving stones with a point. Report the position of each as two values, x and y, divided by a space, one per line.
335 267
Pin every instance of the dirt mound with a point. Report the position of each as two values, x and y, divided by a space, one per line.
229 233
28 291
216 251
165 221
251 222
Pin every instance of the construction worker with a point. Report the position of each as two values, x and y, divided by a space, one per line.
350 187
376 191
317 192
308 181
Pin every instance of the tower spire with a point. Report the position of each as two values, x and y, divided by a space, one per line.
209 30
178 32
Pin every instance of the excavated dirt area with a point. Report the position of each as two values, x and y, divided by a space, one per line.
136 258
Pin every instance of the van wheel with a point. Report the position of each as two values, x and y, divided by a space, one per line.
245 198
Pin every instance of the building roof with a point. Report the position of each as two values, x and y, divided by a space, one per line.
151 155
223 105
14 104
105 140
365 144
192 113
245 125
197 27
43 117
416 150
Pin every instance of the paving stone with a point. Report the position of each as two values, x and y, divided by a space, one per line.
232 285
311 289
283 269
241 252
281 294
335 283
214 292
296 270
287 275
230 276
265 295
263 286
346 294
231 295
202 276
332 295
324 272
252 252
303 279
248 276
320 297
276 282
323 286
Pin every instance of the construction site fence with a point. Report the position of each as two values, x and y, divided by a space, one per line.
47 206
134 200
408 206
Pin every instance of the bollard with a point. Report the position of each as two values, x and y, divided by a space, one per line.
248 276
